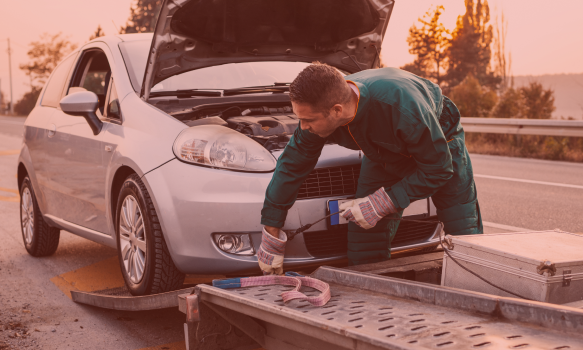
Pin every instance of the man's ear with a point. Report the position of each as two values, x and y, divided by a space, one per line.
337 109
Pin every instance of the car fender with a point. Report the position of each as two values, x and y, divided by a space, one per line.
25 160
143 143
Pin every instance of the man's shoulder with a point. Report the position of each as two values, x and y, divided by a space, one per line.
398 88
387 74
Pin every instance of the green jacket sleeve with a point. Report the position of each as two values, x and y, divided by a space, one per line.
294 165
426 144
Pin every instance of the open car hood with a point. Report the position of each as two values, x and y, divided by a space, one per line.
192 34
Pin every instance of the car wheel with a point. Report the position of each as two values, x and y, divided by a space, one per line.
145 262
40 239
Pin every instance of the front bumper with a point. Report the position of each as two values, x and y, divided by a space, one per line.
194 202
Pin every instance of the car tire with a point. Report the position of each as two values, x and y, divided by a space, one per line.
145 261
40 239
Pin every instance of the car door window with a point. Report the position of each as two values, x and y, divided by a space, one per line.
93 74
113 110
54 90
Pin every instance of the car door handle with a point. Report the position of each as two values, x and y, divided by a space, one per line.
52 130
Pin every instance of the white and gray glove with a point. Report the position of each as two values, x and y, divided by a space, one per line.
368 211
271 252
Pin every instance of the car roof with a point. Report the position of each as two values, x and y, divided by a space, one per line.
135 36
114 39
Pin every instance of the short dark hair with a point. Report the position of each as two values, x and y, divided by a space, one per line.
320 86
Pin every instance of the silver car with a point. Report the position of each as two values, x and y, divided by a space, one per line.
162 145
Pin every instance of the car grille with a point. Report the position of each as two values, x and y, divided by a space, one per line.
322 244
334 181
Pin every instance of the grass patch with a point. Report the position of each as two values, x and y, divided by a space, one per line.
527 146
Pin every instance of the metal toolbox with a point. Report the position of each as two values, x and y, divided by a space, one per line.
543 266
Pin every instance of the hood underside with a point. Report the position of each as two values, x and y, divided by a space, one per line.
192 34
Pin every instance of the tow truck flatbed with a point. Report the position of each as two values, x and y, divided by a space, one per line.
369 311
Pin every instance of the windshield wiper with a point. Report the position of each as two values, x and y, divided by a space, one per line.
275 88
186 93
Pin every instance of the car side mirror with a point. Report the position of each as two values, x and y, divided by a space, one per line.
83 104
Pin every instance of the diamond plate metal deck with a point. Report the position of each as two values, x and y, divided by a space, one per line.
366 311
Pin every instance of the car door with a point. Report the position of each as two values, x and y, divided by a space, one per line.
77 165
39 129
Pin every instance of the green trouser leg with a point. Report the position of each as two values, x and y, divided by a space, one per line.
372 245
457 201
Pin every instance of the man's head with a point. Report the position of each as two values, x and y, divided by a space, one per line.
322 99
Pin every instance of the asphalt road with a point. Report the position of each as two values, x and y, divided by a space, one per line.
515 194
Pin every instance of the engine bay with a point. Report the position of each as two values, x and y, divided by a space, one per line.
270 126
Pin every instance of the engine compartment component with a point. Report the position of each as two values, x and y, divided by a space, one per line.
207 121
272 127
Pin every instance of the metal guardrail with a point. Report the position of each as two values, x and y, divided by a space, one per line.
564 128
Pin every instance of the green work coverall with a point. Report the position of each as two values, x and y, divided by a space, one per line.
413 145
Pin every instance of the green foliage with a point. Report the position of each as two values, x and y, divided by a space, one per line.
539 103
143 16
98 33
429 43
528 146
469 50
531 102
473 100
502 59
510 105
27 102
44 56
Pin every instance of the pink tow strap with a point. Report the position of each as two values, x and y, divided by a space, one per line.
297 282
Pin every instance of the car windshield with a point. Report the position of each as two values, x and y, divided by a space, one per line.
226 76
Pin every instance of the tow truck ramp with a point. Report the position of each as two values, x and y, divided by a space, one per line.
369 311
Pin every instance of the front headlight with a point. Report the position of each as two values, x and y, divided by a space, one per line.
220 147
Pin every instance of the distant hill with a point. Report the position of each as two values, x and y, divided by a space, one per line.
568 92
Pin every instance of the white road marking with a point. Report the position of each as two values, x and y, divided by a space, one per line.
505 227
12 122
529 181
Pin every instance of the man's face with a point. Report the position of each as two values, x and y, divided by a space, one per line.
316 122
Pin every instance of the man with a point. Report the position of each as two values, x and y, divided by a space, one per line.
413 147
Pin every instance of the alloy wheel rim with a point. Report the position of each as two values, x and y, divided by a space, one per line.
132 239
27 216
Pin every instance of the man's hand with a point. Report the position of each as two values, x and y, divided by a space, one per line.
271 251
368 211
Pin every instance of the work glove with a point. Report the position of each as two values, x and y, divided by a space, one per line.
270 254
368 211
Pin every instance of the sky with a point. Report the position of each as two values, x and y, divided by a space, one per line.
543 37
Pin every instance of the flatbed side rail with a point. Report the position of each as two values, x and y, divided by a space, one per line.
550 316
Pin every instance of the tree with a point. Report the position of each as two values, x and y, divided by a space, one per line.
27 102
44 56
98 33
510 105
473 100
502 60
429 43
539 103
143 16
532 102
469 51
